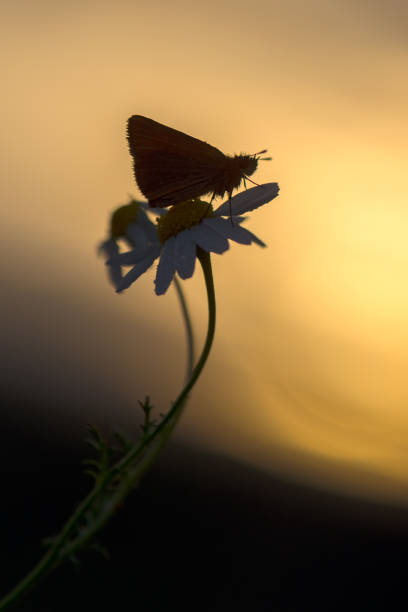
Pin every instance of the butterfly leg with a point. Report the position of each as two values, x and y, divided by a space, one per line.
230 207
209 206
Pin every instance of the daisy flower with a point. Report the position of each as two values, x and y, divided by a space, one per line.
178 233
131 224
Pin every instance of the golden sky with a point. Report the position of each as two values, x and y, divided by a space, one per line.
308 376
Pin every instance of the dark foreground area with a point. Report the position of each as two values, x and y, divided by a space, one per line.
202 533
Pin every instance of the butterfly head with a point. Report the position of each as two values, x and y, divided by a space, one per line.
249 163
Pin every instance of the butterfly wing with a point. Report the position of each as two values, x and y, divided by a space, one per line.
171 166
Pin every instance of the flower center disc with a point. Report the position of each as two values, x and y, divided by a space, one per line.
182 216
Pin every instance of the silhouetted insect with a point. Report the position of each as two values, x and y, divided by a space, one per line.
172 167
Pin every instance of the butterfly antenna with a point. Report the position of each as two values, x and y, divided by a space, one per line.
261 153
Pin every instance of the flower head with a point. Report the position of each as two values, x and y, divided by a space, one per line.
178 233
131 224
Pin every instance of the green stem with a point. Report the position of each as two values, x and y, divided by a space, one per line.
51 559
187 325
59 550
166 426
205 261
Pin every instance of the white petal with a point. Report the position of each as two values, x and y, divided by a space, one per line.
255 238
145 205
249 199
155 210
208 239
239 220
137 270
147 226
231 229
115 276
166 267
185 254
111 249
130 258
226 227
137 235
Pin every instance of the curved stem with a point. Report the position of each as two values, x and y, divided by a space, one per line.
188 327
205 261
59 550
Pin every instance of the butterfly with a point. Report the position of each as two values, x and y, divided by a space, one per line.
171 167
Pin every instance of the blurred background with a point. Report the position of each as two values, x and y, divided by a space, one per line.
306 383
